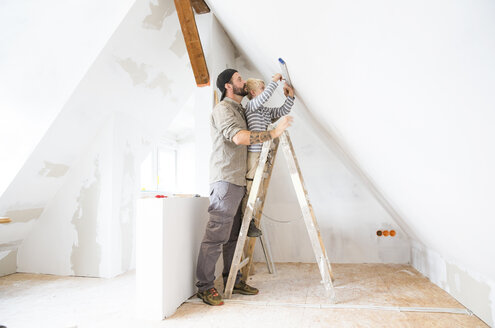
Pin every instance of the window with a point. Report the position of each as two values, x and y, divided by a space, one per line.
167 169
159 169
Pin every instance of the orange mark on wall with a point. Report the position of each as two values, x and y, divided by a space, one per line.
386 233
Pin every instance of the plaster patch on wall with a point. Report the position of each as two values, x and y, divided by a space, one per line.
86 252
159 11
139 75
23 216
53 170
178 47
137 72
8 263
429 263
470 291
160 81
10 245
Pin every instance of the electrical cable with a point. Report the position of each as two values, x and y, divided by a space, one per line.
278 220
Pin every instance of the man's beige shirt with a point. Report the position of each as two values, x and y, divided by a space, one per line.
228 160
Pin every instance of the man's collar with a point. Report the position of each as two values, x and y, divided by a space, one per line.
232 101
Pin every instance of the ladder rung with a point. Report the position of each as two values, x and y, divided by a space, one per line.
243 263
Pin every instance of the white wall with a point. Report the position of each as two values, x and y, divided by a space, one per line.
405 88
347 213
140 81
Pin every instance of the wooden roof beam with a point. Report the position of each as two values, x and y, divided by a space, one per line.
200 7
5 220
193 43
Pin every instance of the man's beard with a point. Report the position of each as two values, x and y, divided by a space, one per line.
240 91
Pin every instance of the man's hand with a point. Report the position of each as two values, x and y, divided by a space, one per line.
283 124
288 91
245 137
277 77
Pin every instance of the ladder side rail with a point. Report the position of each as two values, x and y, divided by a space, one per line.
241 239
269 163
313 216
311 225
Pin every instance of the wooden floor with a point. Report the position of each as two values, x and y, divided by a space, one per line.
367 295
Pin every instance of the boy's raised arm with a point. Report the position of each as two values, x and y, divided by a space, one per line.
259 100
277 112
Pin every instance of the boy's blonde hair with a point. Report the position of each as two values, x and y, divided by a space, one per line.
253 85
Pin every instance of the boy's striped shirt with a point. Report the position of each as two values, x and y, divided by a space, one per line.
258 117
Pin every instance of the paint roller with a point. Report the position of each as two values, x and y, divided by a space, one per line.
285 72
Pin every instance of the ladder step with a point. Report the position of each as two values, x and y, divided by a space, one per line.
243 263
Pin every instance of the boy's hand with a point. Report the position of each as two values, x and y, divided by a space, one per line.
288 91
283 124
277 77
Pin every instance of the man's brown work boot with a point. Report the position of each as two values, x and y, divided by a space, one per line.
244 289
253 230
211 297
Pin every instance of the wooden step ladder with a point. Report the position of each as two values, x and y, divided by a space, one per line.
254 209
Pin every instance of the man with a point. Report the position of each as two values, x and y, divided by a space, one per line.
228 180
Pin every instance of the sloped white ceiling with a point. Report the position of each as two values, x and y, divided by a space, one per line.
408 89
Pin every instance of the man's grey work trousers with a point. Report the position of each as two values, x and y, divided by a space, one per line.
221 232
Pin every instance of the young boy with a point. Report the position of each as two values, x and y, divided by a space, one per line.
258 118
